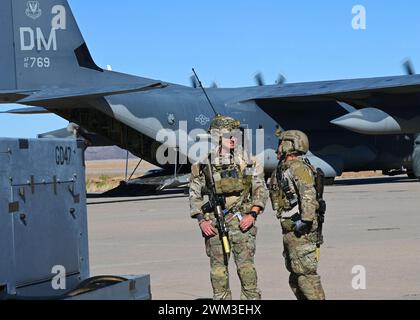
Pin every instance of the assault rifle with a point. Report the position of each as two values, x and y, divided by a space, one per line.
217 204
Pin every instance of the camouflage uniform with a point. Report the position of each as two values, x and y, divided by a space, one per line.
296 177
243 244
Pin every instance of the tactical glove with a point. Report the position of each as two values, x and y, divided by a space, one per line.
302 228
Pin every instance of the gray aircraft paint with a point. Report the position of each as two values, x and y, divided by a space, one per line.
130 111
368 121
7 55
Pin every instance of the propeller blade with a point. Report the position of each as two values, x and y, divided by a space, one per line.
259 79
281 79
194 82
409 68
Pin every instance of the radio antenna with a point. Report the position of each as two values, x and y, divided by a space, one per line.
204 91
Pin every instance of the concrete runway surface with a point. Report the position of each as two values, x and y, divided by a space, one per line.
374 223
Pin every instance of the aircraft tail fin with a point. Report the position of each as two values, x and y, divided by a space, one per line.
7 59
41 46
44 58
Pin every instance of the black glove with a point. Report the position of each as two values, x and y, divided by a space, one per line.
302 228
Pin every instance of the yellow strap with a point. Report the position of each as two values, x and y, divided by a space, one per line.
318 254
226 245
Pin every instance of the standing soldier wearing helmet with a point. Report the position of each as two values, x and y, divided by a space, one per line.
293 194
239 183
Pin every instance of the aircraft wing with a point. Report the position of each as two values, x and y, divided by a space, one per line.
11 96
388 105
343 89
52 95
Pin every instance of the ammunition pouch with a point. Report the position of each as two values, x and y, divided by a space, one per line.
292 199
276 195
229 181
281 195
287 225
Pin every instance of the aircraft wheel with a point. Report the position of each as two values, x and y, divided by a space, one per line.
411 175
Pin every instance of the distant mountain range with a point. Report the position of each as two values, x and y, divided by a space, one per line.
107 153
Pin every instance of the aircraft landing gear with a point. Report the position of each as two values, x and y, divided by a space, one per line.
411 175
329 181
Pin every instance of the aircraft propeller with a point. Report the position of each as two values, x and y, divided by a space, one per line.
259 79
281 79
194 82
409 68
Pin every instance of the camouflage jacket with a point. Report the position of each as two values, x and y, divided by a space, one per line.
298 177
256 195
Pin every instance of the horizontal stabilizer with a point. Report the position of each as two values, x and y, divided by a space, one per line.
13 95
74 131
51 95
57 134
27 111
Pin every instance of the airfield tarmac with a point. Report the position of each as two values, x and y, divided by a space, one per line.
373 222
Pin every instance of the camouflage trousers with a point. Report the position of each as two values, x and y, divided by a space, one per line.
302 263
243 247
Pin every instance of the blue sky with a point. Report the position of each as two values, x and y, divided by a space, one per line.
229 41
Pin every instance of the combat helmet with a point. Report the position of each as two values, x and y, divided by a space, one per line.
224 123
298 141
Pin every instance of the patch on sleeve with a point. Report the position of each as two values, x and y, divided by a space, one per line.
303 174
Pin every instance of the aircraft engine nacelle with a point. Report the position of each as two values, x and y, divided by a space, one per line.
416 156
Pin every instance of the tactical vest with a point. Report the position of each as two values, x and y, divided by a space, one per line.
276 194
233 180
230 179
282 195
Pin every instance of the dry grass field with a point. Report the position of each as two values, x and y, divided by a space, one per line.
104 175
363 174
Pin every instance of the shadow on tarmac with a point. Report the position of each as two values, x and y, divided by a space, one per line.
374 180
146 195
162 195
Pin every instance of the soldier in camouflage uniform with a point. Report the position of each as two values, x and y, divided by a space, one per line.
293 195
245 193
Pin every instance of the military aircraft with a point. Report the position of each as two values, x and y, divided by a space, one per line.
353 125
